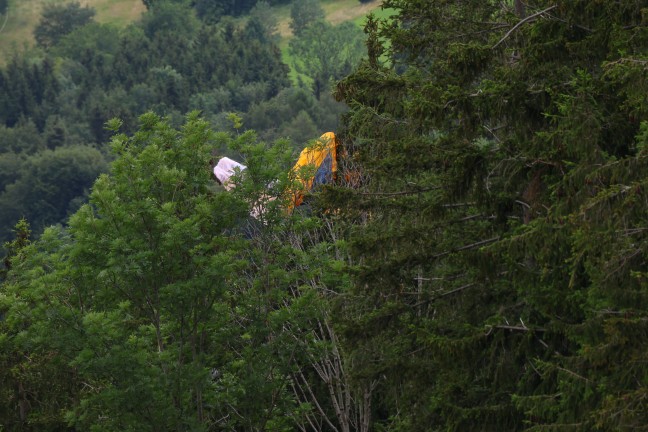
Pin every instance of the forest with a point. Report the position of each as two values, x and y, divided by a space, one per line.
478 263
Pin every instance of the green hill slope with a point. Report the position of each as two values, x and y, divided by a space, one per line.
17 26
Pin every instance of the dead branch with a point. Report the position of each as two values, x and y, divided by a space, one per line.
466 247
390 194
517 328
525 20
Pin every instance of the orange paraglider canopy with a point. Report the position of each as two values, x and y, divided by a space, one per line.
316 165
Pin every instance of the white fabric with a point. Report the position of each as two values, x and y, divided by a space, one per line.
225 169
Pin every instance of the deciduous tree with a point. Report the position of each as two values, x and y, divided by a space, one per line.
304 13
325 53
58 20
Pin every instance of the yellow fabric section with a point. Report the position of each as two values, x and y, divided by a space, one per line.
312 157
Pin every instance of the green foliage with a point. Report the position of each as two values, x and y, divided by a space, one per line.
92 38
22 138
212 11
496 223
326 53
39 333
170 17
167 306
22 238
28 90
58 20
294 113
95 72
153 334
480 264
261 15
169 63
50 185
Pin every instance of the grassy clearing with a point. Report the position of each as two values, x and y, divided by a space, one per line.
120 12
347 10
18 23
282 15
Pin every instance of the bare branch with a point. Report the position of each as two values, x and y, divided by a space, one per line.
525 20
314 399
574 374
466 247
522 203
445 294
517 328
389 194
466 204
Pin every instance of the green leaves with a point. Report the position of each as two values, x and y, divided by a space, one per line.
326 53
168 305
59 20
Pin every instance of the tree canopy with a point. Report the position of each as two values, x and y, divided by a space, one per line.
498 219
60 19
165 306
325 53
303 13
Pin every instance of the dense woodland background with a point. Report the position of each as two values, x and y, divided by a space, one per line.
479 264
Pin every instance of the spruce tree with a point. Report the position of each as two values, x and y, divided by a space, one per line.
494 154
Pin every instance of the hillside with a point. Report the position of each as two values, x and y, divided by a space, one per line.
16 28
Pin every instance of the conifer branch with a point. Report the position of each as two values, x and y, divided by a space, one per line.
535 369
390 194
574 374
492 132
466 204
466 247
445 279
525 20
445 294
626 60
456 290
517 328
497 26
